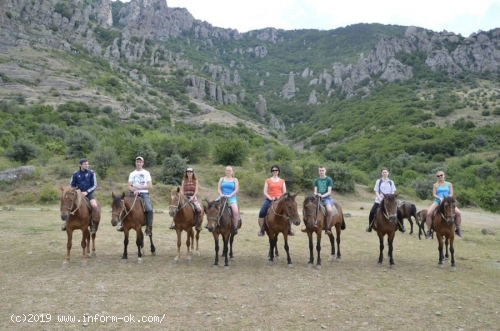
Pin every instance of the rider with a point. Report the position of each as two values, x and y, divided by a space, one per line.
85 180
383 186
274 188
189 187
228 187
323 189
139 181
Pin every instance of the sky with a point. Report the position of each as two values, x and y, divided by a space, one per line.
461 17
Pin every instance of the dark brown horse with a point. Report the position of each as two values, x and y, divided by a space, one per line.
129 210
444 226
277 220
408 210
315 222
421 215
220 222
76 211
386 223
184 215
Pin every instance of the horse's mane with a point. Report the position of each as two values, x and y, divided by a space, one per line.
309 198
212 203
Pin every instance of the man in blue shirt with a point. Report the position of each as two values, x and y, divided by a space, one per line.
85 180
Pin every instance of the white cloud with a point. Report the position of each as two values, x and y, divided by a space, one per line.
462 17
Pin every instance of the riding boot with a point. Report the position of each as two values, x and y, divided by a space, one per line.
149 222
401 227
198 220
120 227
369 228
262 228
458 231
94 218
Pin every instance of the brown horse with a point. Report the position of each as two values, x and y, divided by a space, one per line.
408 210
129 210
220 222
277 220
421 215
183 213
386 223
76 211
315 222
444 226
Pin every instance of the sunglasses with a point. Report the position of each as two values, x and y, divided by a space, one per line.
439 175
275 170
189 171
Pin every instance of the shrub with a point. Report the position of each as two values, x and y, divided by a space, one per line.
22 151
103 159
48 194
173 170
80 143
231 152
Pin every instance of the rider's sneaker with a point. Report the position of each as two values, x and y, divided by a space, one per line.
290 232
428 234
235 231
369 229
148 231
92 228
119 228
328 231
63 227
458 232
401 228
261 233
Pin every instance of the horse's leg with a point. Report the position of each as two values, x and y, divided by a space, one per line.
411 224
390 240
381 247
272 244
288 258
452 251
339 230
311 253
93 243
68 246
231 239
139 241
125 244
446 255
276 253
216 242
178 244
152 246
440 249
318 248
225 239
85 240
332 245
189 241
197 236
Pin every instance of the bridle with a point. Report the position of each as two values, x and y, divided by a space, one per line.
288 213
75 195
220 211
179 205
443 210
124 209
386 214
315 215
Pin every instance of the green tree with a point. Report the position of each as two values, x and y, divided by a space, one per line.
103 159
173 169
22 151
231 152
80 143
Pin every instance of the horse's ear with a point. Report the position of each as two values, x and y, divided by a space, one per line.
396 195
113 195
62 188
123 195
178 189
293 196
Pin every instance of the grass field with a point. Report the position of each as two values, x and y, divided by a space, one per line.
353 294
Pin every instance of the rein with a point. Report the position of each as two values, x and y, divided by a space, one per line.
286 206
75 195
179 204
443 214
384 212
220 214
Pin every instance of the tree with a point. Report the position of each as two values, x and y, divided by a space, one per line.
22 151
231 152
103 159
80 143
173 169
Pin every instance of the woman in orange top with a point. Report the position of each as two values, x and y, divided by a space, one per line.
274 188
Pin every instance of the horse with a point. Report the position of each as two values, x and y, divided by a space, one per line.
183 213
220 222
76 211
421 215
277 220
408 210
129 210
386 223
314 215
444 226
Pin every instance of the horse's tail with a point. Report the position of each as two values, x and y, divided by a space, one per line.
342 227
413 211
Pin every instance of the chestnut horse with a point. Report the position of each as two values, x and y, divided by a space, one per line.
277 220
386 223
314 214
129 210
220 222
444 226
76 211
421 215
408 210
184 215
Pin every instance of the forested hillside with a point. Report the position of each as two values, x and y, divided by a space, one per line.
86 81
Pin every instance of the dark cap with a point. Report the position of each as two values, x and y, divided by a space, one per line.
82 161
140 158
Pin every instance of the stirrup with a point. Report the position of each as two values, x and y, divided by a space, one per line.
172 226
119 228
63 227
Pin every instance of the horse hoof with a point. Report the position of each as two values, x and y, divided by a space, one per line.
153 253
331 258
290 265
176 260
188 260
65 265
231 259
393 266
123 260
318 267
83 263
93 254
139 260
226 267
440 266
309 265
270 263
453 268
197 253
379 264
339 259
216 266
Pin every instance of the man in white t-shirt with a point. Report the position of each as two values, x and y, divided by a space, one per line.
139 183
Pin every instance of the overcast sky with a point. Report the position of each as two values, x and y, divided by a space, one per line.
459 16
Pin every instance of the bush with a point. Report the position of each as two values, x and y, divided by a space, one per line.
423 187
103 159
48 194
80 143
173 170
22 151
231 152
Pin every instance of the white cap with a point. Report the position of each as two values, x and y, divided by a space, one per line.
139 158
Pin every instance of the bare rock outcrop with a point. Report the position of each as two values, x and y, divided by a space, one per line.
288 91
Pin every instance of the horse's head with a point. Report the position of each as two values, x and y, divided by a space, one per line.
117 208
174 202
212 210
389 206
447 210
309 210
69 201
290 207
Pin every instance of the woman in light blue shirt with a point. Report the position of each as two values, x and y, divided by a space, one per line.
228 187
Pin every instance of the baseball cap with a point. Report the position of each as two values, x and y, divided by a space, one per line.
189 169
83 160
140 158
